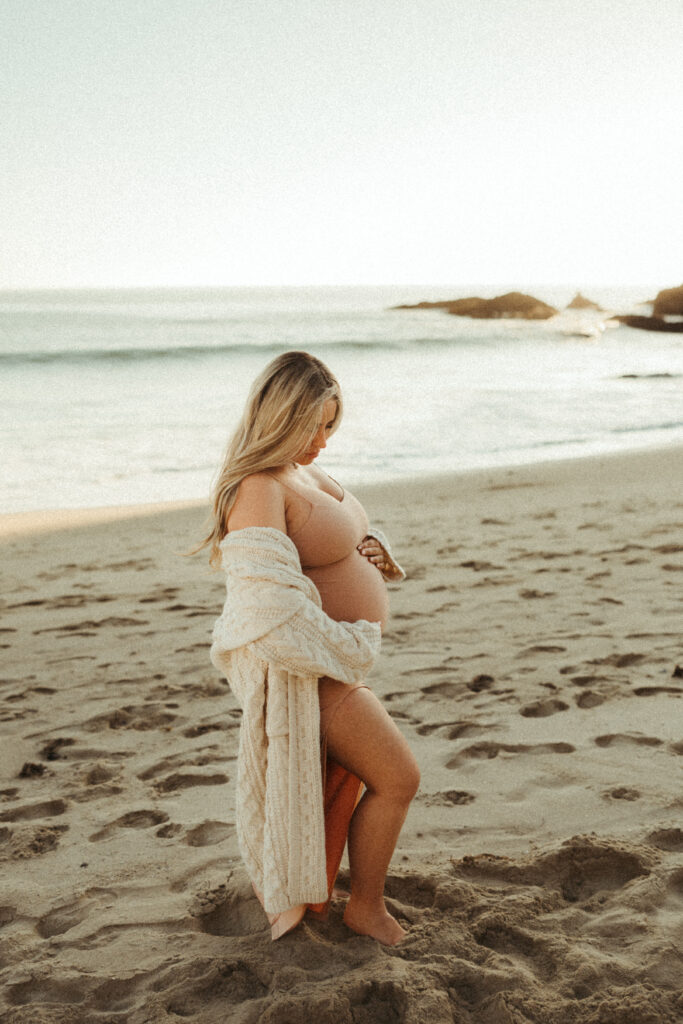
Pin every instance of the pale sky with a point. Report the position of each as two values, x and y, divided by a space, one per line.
229 142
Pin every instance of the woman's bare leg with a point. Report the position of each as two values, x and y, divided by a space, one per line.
363 738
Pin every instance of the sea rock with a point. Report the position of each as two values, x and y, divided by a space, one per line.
669 302
581 302
651 323
512 304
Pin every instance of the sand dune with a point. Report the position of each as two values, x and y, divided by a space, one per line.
534 661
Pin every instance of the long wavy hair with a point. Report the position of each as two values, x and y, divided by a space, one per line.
278 423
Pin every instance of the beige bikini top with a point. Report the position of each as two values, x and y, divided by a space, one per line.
332 526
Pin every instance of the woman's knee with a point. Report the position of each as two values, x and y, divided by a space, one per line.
400 781
410 779
365 740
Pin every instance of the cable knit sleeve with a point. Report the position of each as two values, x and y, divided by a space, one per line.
310 643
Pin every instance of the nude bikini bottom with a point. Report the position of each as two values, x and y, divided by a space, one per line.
341 793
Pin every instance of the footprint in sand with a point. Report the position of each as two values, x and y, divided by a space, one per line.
214 688
455 729
62 919
203 646
395 695
652 691
30 812
543 708
448 690
58 995
676 883
208 994
581 867
495 931
31 841
185 780
626 740
7 914
192 610
30 770
582 680
167 594
448 798
480 683
488 751
87 627
169 831
209 833
480 566
228 910
622 793
619 660
133 819
92 754
196 759
670 839
588 699
411 891
137 564
541 649
202 729
65 601
141 717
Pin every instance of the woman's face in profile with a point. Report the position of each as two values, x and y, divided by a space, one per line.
319 439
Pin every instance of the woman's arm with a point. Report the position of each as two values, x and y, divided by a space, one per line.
313 644
260 502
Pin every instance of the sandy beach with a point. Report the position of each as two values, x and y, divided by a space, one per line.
534 661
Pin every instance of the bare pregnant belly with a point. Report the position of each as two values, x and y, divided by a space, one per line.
352 589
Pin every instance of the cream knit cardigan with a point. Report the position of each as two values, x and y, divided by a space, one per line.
272 642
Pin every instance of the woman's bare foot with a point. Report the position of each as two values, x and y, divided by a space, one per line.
375 922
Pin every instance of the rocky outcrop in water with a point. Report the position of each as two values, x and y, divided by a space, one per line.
581 302
651 323
669 302
513 304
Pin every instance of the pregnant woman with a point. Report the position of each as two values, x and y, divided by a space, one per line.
306 604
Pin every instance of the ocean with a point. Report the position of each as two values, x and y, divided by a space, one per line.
115 397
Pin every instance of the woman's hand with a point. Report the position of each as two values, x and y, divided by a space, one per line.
375 552
371 549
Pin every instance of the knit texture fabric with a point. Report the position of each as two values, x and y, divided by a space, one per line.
272 642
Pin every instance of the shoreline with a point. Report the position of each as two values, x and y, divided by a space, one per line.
14 524
533 661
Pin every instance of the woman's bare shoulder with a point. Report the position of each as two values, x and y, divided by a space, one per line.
260 501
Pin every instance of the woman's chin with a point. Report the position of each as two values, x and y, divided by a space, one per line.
307 459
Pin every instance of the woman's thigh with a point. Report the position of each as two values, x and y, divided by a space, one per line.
363 738
332 690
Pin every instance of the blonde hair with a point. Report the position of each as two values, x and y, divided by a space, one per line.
278 423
